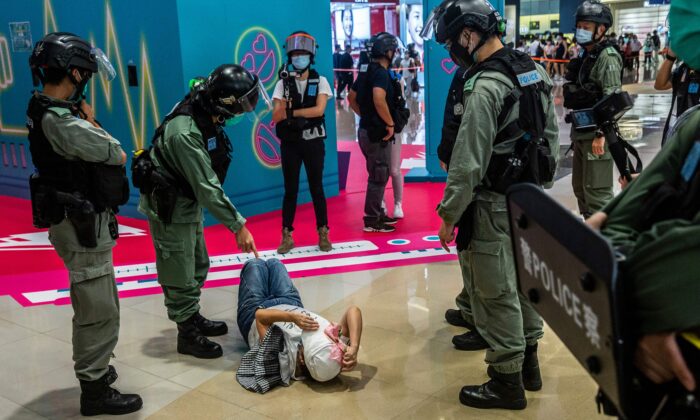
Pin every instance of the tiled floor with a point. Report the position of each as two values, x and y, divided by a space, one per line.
408 367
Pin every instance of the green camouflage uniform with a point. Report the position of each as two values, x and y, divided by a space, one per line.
181 253
661 260
592 176
505 319
93 289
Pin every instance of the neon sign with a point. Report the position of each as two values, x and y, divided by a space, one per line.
258 51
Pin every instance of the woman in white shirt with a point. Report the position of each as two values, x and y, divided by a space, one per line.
300 99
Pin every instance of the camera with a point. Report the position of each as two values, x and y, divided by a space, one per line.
285 73
605 112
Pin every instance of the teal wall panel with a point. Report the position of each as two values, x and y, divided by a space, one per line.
169 42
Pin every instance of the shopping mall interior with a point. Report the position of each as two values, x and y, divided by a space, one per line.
395 281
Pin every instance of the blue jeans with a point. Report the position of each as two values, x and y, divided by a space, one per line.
263 284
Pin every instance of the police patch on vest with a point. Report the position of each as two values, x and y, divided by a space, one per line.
211 144
529 78
363 68
693 87
313 88
458 109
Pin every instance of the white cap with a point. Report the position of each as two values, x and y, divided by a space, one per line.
317 355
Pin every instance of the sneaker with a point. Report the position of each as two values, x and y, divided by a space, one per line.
378 227
398 211
388 220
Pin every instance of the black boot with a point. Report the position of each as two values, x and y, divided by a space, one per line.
111 375
98 398
190 340
502 391
454 317
532 380
209 328
531 369
470 341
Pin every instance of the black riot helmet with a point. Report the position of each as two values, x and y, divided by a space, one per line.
380 44
431 22
595 11
62 52
230 90
456 15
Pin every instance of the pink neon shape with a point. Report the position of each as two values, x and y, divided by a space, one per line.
448 66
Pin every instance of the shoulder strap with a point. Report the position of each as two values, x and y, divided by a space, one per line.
182 108
528 85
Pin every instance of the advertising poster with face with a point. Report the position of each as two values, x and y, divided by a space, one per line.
352 26
414 24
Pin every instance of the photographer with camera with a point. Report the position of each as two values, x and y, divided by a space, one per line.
594 74
300 99
79 184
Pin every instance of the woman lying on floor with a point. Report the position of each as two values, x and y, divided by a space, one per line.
287 341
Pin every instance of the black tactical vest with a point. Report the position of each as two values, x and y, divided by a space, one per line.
686 93
452 116
214 139
532 159
580 92
528 128
105 186
293 129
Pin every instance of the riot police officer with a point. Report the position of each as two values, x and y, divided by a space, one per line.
300 99
508 134
371 98
452 117
79 184
191 154
654 222
594 74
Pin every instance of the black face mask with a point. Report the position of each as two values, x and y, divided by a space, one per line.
79 92
460 55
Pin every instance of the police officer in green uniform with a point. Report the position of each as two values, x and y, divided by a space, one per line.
462 316
75 192
508 134
655 221
594 74
452 117
192 152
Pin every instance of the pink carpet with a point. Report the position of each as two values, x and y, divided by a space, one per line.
33 274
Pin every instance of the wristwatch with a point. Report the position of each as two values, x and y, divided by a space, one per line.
599 133
670 58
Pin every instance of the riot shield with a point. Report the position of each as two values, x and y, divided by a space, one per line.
569 273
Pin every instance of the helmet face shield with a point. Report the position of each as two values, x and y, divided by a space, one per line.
104 67
248 103
301 42
429 27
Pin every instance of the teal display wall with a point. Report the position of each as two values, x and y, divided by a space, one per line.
167 42
439 71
